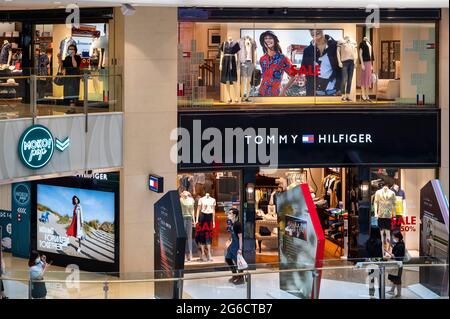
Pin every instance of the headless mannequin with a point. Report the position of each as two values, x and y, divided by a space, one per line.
187 207
249 55
206 204
228 84
365 89
347 52
396 188
384 204
5 42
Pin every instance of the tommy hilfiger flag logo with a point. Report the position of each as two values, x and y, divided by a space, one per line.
308 139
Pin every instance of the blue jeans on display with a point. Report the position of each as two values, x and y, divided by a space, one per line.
347 75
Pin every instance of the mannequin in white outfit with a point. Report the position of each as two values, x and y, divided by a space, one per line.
384 205
205 221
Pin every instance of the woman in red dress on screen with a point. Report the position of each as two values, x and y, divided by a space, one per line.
273 65
76 227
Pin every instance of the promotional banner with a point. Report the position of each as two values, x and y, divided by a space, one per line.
434 235
6 225
309 138
76 222
21 215
169 244
296 69
302 241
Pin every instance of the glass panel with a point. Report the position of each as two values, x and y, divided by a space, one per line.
323 63
218 192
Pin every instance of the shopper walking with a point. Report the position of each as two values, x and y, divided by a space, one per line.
234 246
374 249
38 265
398 253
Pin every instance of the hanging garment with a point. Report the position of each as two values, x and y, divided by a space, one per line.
4 53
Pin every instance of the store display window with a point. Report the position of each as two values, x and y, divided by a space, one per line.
260 63
349 201
205 198
59 78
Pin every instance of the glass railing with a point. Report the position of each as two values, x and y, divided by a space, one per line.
24 96
422 279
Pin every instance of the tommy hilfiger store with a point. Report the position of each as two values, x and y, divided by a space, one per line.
362 168
313 97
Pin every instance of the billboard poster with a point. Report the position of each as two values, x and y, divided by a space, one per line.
169 244
76 222
434 235
301 240
21 218
296 69
6 225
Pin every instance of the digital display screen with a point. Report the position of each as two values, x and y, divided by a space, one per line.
76 222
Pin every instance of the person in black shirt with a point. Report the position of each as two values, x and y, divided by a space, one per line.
71 67
234 246
398 253
375 252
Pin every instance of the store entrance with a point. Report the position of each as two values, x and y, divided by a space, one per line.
349 201
328 189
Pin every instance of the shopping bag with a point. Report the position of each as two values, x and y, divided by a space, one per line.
241 263
407 258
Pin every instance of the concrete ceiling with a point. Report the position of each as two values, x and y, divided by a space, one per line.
47 4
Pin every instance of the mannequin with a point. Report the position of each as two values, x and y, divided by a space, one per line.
205 223
366 58
271 208
400 205
6 53
347 56
227 67
99 47
247 58
187 208
384 208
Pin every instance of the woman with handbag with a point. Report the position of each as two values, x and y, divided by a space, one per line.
71 69
234 246
38 265
398 253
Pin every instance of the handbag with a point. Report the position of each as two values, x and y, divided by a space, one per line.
38 289
374 221
59 78
241 263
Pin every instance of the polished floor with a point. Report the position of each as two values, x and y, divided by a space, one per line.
343 283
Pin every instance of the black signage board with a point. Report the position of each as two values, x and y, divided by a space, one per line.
434 235
169 245
310 138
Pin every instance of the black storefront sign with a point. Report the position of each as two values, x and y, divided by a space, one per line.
169 245
311 138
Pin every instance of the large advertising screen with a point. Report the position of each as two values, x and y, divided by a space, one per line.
296 62
76 222
301 241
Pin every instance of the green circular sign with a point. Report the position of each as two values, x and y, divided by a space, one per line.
36 146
